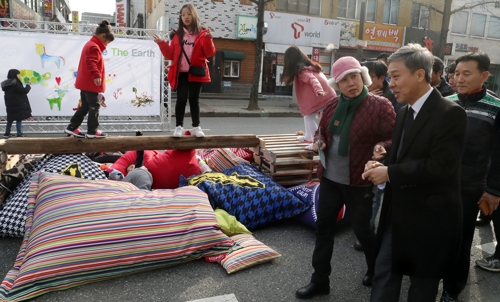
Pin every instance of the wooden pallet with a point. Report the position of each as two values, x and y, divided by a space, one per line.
285 160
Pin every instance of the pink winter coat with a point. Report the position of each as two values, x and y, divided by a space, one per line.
307 83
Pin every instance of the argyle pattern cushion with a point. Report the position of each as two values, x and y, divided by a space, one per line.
249 195
13 210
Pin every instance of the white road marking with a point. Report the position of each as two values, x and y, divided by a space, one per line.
224 298
487 247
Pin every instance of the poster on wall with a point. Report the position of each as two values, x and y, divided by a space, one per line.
50 63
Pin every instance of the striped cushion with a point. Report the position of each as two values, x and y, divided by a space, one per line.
247 252
221 159
80 231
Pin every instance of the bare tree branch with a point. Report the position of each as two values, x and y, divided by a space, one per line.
433 8
466 6
265 1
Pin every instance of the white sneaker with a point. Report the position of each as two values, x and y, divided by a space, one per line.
198 132
178 132
301 138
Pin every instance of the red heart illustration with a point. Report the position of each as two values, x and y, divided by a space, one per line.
58 80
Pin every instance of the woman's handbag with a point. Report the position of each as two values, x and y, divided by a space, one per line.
194 70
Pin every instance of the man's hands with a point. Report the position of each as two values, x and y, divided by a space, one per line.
379 152
375 172
492 200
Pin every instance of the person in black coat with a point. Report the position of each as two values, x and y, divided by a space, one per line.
16 101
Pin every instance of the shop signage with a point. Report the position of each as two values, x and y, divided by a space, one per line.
448 49
427 38
316 51
121 13
246 27
301 30
349 34
4 8
47 8
382 37
75 19
462 47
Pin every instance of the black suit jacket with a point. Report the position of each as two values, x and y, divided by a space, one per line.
422 199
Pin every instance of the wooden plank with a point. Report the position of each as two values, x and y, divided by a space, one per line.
33 145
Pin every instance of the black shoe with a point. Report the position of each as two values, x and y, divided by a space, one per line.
446 297
357 246
483 221
8 135
367 280
311 290
21 135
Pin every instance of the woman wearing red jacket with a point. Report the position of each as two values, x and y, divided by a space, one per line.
190 45
91 81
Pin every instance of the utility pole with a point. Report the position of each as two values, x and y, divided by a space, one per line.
361 29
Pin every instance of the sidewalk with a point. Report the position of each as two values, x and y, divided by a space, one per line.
222 106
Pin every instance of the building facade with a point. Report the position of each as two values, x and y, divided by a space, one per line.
476 29
95 18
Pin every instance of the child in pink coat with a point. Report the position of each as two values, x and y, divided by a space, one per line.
311 89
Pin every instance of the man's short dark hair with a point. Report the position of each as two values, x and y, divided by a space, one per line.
438 65
482 60
377 67
451 68
383 55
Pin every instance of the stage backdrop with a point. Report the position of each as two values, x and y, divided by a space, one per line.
51 62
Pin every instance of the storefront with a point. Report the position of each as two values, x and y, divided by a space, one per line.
427 38
310 34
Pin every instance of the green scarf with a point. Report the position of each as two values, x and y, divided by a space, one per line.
342 118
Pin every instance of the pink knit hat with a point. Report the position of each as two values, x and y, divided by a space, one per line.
345 66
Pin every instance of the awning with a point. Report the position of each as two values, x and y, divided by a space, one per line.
233 55
281 48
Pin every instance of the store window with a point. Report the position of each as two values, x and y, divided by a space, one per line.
231 69
420 16
351 9
311 7
494 28
459 21
391 11
478 24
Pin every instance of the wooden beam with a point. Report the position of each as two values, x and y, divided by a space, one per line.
34 145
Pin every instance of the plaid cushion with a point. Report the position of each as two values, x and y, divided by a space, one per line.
80 231
247 252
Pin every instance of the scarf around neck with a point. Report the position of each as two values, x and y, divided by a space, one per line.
342 118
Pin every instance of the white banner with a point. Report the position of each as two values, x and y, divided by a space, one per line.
122 13
51 62
291 29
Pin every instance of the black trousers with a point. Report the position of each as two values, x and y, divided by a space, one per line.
455 285
358 201
90 105
187 89
386 285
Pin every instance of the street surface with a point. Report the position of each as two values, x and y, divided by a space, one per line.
269 282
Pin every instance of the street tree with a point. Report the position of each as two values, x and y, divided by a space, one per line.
447 12
253 104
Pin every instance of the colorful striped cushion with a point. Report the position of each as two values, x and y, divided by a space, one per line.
80 231
221 159
247 252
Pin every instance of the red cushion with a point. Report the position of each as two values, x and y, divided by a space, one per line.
166 168
129 158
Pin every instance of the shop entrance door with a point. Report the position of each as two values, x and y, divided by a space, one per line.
269 74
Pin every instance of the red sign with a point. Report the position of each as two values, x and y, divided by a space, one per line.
315 54
4 8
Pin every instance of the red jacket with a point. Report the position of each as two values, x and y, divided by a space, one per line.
372 125
203 48
91 66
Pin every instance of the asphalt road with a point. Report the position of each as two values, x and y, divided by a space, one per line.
269 282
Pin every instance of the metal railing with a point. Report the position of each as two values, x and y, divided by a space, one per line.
57 124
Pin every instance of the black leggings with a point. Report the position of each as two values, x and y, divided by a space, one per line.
185 89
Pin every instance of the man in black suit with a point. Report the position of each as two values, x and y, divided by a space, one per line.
420 221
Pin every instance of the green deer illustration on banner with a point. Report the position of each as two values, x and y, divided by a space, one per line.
58 100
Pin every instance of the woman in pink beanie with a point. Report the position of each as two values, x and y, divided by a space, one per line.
311 88
355 127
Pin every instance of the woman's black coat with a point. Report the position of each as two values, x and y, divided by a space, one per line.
16 100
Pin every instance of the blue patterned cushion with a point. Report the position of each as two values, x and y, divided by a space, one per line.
249 195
